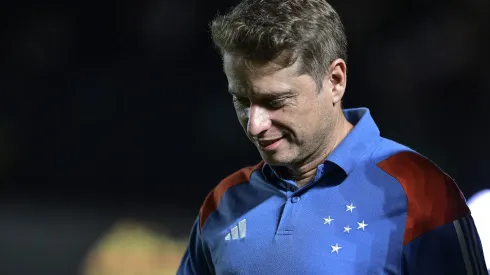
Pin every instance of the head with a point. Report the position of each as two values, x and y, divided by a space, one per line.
285 65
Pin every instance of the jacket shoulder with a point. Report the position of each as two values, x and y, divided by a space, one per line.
214 197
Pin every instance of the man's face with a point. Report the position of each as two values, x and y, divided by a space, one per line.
282 112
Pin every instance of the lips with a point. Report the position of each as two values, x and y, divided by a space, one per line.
267 142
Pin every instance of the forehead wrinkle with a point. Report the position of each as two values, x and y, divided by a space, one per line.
245 78
254 68
245 90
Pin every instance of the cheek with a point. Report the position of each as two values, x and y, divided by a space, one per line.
310 121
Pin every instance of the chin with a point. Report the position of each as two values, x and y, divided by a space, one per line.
275 159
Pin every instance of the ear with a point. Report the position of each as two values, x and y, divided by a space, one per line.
336 78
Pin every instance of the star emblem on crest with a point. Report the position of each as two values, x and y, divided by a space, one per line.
350 207
335 248
347 229
327 220
362 225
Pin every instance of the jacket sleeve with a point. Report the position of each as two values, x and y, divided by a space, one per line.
453 248
196 259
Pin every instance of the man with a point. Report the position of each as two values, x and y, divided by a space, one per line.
331 195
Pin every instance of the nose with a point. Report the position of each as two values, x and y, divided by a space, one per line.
258 120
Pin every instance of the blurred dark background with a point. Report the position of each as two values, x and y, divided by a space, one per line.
118 109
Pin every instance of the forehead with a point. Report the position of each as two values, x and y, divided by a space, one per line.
243 74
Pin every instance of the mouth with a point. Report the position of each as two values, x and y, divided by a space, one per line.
269 144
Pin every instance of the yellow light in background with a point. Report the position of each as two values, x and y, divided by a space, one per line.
132 247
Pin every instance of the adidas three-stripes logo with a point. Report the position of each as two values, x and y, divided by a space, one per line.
238 232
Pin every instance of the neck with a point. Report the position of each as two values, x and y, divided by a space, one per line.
304 173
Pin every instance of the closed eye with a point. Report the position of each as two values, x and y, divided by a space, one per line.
276 103
241 100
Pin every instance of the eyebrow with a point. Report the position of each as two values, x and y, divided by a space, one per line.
290 92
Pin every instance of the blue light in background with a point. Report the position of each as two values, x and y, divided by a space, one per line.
480 210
